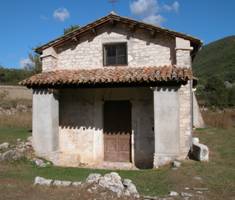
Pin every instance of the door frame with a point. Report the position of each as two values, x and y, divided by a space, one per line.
131 131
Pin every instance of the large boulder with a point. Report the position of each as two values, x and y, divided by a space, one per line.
112 182
130 188
93 178
199 151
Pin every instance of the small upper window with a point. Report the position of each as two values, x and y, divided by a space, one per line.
115 54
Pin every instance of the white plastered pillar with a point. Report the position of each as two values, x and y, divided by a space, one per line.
45 122
166 125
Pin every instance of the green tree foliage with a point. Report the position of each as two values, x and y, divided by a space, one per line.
71 28
13 76
214 66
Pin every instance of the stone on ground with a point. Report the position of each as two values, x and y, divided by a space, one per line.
4 146
42 181
173 194
200 152
93 178
176 164
130 188
76 183
112 182
39 162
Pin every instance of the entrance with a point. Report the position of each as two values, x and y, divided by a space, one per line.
117 131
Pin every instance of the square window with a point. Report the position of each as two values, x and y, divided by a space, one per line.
115 54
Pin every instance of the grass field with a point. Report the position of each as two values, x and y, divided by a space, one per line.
218 175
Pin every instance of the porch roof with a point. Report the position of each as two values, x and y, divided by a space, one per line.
109 76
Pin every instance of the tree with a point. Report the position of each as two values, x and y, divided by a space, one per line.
36 62
216 93
71 28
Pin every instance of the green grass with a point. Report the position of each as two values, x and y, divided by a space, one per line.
11 134
218 175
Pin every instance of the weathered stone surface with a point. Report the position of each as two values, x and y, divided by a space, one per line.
195 140
112 182
93 178
4 146
11 155
173 194
76 183
39 162
130 188
186 194
42 181
60 183
200 152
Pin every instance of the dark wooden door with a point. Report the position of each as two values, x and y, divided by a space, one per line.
117 131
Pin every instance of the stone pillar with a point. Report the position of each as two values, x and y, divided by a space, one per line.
166 125
183 49
183 59
45 122
49 59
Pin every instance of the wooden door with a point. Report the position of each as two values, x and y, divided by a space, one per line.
117 131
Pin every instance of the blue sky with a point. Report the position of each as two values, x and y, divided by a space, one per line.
25 24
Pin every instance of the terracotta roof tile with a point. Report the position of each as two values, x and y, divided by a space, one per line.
108 75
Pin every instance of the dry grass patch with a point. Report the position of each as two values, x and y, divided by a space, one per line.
220 119
19 119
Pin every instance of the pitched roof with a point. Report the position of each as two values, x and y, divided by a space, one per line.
113 18
108 76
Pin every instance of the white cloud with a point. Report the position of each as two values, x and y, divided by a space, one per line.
26 63
144 7
61 14
150 10
154 19
173 7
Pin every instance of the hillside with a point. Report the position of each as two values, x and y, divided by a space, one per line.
216 59
215 67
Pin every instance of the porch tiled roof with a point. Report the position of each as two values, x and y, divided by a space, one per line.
108 75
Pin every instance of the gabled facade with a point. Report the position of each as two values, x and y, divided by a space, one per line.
114 91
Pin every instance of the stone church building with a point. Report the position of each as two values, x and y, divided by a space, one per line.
114 91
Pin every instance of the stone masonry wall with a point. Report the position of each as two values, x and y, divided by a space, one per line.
183 58
143 50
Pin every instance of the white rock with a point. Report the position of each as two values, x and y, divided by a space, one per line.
131 188
57 183
200 152
176 164
185 194
76 183
126 182
30 139
93 178
11 155
195 140
4 146
39 162
42 181
66 183
173 194
112 182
